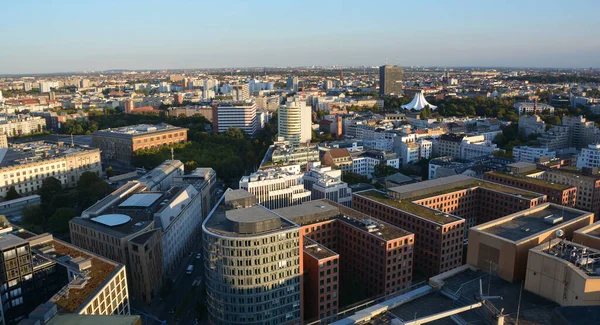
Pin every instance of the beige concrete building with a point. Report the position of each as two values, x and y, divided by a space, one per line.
3 141
588 236
16 125
26 165
148 225
114 234
278 187
564 272
502 245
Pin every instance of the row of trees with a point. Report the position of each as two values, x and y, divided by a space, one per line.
231 154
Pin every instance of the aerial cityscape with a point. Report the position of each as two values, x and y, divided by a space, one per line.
333 162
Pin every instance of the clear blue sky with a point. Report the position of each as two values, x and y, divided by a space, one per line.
58 36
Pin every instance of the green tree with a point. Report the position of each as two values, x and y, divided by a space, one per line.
235 133
12 194
426 112
382 170
34 219
51 186
353 178
59 222
90 189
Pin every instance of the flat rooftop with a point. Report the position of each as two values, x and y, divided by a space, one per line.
573 253
591 230
139 205
317 250
410 207
72 319
9 240
464 285
412 193
31 152
450 184
529 222
139 129
531 180
323 210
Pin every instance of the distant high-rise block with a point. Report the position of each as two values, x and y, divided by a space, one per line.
178 99
292 84
129 106
390 80
294 122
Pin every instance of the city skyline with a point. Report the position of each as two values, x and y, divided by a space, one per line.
150 36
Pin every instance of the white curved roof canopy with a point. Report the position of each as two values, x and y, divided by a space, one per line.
112 220
418 103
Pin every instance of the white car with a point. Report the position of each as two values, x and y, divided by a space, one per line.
198 256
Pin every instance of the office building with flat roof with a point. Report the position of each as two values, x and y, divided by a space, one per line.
502 245
588 186
149 230
119 144
390 80
321 266
371 252
439 212
284 153
564 272
326 183
25 166
241 115
300 256
278 187
40 271
253 263
588 236
18 125
294 122
556 193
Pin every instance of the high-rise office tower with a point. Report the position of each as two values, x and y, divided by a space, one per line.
253 263
292 84
390 80
294 122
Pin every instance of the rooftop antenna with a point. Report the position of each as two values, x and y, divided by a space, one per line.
386 61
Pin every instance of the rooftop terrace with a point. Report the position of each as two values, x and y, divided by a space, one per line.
532 221
70 300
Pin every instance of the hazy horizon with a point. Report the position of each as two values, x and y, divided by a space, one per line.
74 36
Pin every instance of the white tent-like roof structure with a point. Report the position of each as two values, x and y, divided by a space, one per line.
418 103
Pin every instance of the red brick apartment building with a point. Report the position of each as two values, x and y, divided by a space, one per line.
348 245
439 213
557 193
